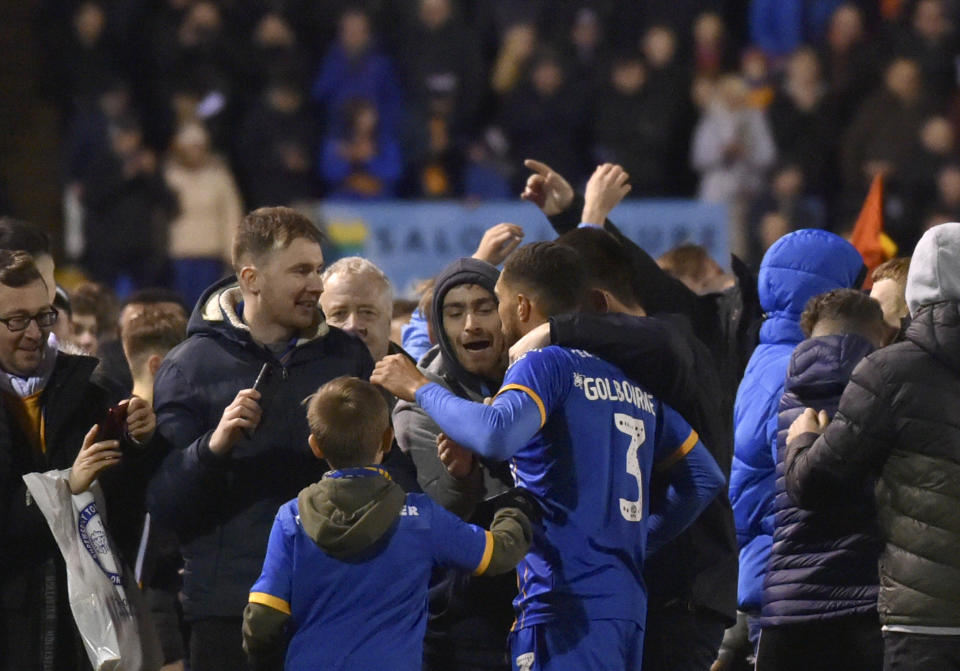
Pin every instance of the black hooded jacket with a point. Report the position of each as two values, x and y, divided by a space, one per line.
222 507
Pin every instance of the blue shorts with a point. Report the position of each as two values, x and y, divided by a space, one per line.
614 645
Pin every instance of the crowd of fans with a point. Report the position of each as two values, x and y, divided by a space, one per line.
785 111
803 509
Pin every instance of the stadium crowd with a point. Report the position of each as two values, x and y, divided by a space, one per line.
563 455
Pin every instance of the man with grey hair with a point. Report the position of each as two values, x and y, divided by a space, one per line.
897 423
357 297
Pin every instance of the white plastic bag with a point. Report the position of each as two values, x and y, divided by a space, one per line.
106 602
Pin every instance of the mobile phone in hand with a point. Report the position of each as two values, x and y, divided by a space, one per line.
113 424
260 385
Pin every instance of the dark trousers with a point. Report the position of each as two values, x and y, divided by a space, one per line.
681 639
905 652
216 644
851 643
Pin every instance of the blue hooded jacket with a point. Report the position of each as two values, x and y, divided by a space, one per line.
796 268
823 564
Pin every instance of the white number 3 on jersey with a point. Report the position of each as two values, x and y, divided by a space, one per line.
632 511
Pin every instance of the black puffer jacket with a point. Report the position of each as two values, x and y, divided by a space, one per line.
823 564
898 418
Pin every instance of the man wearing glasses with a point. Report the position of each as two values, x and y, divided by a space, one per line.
50 405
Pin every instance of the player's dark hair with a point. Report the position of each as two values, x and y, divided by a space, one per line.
605 262
851 310
553 273
347 418
271 229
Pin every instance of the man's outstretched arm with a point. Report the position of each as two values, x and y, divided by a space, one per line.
496 431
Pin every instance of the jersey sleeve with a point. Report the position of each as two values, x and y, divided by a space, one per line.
273 587
459 544
675 438
544 375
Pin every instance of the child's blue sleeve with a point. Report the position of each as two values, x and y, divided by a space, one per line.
415 336
459 544
274 586
533 387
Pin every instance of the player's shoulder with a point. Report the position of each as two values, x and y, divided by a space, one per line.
552 354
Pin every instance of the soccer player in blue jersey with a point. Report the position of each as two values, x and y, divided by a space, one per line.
348 561
583 439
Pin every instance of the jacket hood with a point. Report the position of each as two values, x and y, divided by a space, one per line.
466 270
219 311
821 367
936 330
934 274
345 516
799 266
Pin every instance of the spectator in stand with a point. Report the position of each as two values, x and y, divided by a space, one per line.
820 589
128 207
275 48
850 61
585 51
935 148
534 115
756 73
948 190
210 209
889 289
785 206
276 144
802 122
883 136
732 150
354 68
517 46
712 51
440 61
931 41
88 130
895 423
779 27
238 453
361 159
640 126
91 56
797 267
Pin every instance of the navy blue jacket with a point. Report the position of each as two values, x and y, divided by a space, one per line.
823 564
222 508
797 267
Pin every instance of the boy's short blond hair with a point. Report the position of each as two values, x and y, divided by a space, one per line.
348 418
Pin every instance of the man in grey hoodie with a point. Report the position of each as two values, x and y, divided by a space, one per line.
330 580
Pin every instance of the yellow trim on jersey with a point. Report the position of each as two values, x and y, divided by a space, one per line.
487 554
680 452
270 601
530 392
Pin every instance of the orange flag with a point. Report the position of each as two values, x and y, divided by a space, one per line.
868 237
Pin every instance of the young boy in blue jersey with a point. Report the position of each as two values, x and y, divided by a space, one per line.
583 440
348 561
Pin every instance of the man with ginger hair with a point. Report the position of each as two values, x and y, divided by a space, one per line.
236 452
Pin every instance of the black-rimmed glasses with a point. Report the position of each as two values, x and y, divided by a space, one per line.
44 318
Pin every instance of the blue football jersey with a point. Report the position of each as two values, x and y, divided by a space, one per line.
368 612
589 467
